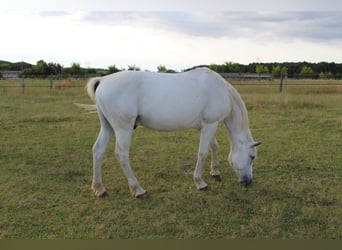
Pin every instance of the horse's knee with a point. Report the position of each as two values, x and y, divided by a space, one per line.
121 156
97 155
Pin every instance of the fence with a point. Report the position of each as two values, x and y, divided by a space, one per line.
247 76
49 83
255 80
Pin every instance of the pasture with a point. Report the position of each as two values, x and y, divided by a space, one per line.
46 170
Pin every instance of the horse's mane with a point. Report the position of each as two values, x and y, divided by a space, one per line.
239 107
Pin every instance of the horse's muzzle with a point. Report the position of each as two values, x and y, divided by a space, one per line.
246 181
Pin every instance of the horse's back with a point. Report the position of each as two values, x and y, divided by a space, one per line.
166 101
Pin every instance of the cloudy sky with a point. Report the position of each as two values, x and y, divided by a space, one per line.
178 35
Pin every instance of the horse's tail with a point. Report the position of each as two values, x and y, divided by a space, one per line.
92 86
91 89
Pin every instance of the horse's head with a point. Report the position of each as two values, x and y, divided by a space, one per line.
241 159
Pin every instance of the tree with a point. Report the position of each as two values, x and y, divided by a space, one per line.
113 69
307 72
326 75
133 67
76 69
261 69
278 70
231 67
161 68
5 66
42 68
171 71
54 68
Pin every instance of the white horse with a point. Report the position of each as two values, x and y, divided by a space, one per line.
198 98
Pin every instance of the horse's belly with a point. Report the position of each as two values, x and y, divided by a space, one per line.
169 119
181 113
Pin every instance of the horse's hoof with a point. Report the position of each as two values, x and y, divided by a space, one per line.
217 177
103 195
206 188
142 196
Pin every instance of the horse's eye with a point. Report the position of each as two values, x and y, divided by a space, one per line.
252 157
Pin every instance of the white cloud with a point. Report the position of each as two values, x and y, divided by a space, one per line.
315 25
179 5
176 39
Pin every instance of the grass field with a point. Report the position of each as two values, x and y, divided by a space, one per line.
45 171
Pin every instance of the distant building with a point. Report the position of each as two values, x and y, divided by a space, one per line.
10 74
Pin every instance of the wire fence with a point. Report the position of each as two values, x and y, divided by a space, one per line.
51 84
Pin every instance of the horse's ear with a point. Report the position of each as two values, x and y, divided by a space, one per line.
255 144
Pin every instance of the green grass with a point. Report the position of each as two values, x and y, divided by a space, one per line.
46 172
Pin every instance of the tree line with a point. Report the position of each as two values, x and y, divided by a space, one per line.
327 70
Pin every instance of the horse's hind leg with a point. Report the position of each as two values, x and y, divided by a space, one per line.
123 141
99 148
207 134
214 160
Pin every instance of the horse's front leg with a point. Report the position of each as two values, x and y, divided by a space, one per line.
123 141
207 133
99 148
214 160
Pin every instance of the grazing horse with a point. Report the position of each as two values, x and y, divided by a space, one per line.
199 98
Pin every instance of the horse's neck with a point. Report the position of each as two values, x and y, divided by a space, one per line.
237 123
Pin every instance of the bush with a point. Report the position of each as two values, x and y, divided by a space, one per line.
307 72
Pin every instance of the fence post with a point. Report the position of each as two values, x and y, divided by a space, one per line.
51 83
281 82
23 85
